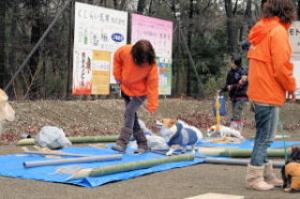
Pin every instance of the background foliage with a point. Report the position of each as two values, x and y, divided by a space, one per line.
211 30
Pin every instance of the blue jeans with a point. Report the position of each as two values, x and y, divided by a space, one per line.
266 119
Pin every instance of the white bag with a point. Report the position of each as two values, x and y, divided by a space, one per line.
52 138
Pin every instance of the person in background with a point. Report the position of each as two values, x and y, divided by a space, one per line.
136 71
236 85
270 79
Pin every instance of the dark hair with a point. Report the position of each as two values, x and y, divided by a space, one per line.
262 3
143 52
284 9
237 60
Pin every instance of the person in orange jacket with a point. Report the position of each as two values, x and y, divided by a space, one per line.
270 78
136 71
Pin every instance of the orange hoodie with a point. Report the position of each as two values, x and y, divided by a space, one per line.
270 72
136 80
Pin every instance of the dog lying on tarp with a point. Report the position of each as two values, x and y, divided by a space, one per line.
225 134
291 171
178 134
6 111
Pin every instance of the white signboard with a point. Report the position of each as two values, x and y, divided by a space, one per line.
98 33
297 76
294 36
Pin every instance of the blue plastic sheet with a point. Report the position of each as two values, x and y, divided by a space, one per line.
12 166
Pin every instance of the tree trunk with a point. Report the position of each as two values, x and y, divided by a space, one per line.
2 43
141 6
247 20
36 32
189 41
70 51
232 29
298 9
232 32
12 54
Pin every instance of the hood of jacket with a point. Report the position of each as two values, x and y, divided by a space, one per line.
262 28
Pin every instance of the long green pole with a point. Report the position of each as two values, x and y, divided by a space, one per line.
241 153
129 166
77 140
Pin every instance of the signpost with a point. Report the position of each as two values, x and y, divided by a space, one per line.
98 33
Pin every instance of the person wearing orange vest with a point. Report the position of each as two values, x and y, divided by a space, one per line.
270 79
135 69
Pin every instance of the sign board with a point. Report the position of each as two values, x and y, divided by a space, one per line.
98 32
160 33
294 36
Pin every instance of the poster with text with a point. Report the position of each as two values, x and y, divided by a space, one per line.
294 36
160 33
297 76
98 32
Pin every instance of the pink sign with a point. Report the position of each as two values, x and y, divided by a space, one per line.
159 32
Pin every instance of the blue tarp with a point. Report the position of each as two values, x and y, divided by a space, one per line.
12 166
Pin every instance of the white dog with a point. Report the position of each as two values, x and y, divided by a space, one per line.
6 111
178 134
224 132
155 142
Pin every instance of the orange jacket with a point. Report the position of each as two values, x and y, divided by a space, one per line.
136 80
270 72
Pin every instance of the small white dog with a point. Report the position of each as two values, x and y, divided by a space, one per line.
178 134
6 111
224 132
155 142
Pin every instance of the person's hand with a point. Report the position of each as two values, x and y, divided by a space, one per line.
151 115
229 87
243 79
292 96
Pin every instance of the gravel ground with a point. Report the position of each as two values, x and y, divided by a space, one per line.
105 117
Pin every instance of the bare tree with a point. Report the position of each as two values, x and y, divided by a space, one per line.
141 6
2 43
232 29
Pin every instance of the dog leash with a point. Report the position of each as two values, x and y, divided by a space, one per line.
283 138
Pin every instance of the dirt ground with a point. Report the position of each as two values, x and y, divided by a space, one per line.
105 117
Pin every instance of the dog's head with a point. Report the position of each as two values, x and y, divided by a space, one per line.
6 111
167 128
295 154
166 123
212 131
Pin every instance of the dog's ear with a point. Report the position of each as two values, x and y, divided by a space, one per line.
172 122
168 122
295 153
3 96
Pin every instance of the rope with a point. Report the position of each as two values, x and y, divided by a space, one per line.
283 138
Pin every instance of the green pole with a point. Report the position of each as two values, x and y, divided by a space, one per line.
111 169
76 140
238 153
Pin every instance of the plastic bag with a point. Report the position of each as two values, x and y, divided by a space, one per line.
52 137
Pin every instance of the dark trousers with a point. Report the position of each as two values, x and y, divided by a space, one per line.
132 104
